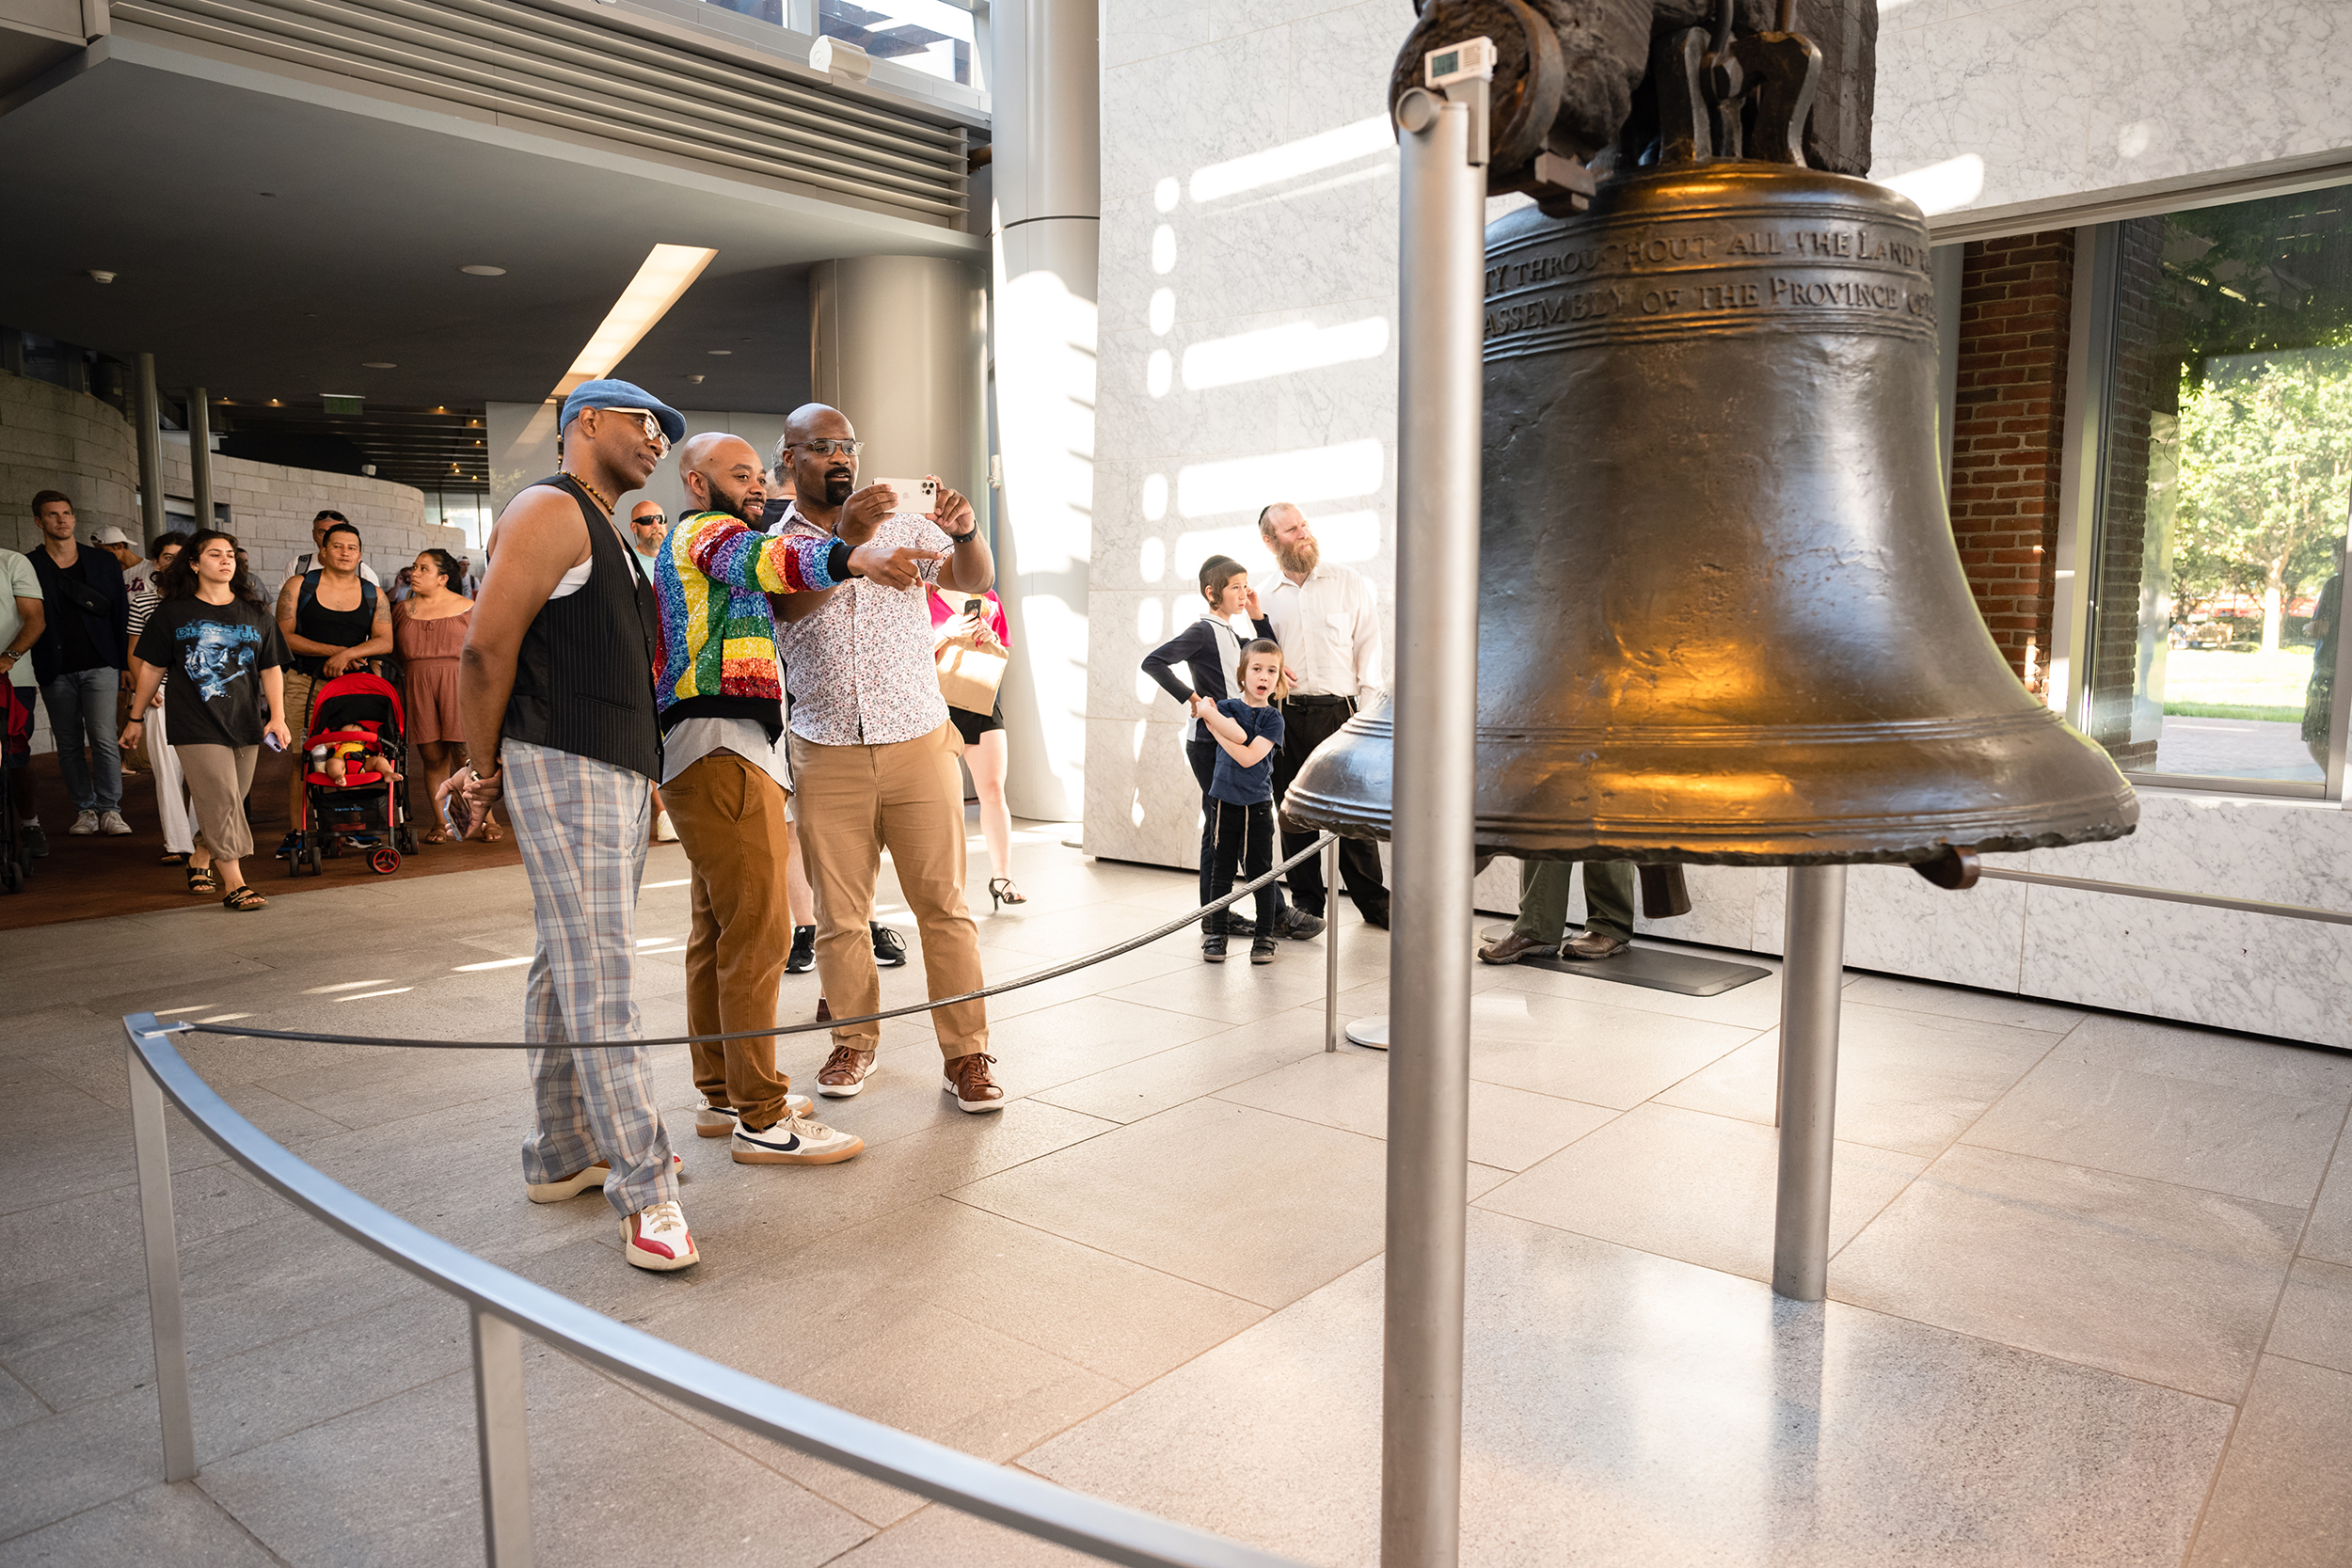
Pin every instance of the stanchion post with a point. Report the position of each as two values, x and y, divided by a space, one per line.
1441 374
1811 976
1332 946
153 1157
504 1428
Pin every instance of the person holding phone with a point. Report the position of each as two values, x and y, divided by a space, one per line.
981 617
228 697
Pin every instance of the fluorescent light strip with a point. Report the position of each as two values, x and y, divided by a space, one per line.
669 271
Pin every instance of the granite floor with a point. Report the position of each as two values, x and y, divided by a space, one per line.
2091 1302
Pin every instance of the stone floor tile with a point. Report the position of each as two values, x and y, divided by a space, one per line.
1149 1084
1509 1128
98 1233
1143 965
1245 1201
2329 1234
63 1464
2244 1142
1626 1409
2314 1318
176 1525
18 1403
2280 1501
2166 1283
1688 1185
1979 1006
1906 1080
1753 1005
937 1535
2210 1056
1074 1039
1064 931
1598 1053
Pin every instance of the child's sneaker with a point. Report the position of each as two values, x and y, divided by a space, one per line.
1261 951
1213 949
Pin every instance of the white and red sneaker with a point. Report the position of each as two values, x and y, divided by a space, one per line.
588 1179
657 1238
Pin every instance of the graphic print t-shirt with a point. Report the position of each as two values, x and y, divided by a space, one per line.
215 654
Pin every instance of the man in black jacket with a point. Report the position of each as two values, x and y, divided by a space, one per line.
81 662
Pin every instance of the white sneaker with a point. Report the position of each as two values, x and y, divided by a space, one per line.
113 826
656 1239
590 1179
662 831
717 1121
794 1141
85 823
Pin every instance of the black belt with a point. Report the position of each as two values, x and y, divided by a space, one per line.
1295 700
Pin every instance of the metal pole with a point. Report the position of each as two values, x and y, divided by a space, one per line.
201 453
505 1432
1809 981
163 1272
1332 946
1441 381
150 438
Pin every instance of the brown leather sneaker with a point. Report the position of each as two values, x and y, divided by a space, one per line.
845 1072
1593 944
1511 949
968 1081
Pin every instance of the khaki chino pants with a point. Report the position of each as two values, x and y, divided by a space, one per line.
729 817
853 802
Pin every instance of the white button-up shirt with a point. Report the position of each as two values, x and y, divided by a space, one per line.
1330 628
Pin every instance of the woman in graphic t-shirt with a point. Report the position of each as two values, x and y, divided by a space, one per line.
227 659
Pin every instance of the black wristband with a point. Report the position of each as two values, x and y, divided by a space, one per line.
837 560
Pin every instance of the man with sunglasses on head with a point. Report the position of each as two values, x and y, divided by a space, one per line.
874 755
558 671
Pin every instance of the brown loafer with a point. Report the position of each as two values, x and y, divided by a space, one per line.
1593 944
845 1072
968 1081
1511 949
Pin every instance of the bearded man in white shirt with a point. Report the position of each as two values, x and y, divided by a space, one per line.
1327 618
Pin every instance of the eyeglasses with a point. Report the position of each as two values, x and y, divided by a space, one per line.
828 449
651 520
654 432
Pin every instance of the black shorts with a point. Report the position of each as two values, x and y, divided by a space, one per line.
973 725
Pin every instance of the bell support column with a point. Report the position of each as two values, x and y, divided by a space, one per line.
1812 974
1441 393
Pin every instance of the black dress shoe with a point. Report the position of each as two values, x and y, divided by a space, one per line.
890 948
1378 917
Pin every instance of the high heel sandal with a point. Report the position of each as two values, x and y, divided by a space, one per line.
1001 891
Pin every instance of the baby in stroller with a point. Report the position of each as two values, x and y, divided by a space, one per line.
345 757
352 795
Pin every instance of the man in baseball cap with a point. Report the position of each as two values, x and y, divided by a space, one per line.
119 545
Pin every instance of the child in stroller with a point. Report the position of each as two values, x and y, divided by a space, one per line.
351 792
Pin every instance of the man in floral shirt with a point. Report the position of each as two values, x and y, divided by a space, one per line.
874 757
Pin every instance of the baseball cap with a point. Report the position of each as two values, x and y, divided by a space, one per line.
622 394
111 536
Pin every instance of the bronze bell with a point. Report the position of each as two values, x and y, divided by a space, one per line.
1721 618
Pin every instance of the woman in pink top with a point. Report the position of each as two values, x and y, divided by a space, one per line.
952 615
429 627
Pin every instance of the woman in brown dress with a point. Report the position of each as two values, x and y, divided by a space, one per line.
429 627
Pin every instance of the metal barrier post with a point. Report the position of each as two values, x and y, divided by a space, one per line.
1332 946
1811 974
505 1433
1440 389
163 1265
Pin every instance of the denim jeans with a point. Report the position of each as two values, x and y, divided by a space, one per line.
82 704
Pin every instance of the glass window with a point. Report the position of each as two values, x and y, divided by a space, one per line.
2223 510
928 36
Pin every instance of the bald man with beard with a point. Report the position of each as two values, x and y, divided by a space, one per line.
720 696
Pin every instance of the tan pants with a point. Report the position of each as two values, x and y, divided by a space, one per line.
218 777
298 690
851 803
729 815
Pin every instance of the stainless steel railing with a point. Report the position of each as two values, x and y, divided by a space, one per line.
506 1307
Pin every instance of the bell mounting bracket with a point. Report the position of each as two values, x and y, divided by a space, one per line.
1722 96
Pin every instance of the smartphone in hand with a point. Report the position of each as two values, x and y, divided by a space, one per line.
915 495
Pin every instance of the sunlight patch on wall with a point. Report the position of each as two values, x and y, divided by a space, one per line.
1280 351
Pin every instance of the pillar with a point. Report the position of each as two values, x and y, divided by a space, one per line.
896 342
1046 163
151 436
201 453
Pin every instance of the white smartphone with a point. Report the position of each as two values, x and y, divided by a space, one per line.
915 495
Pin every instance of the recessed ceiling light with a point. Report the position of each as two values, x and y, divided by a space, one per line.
722 351
478 270
377 365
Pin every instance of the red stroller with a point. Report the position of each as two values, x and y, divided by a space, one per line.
363 711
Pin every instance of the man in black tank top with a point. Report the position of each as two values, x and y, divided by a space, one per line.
556 684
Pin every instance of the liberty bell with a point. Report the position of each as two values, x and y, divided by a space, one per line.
1721 618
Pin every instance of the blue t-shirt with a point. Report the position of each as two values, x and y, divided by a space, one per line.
1233 783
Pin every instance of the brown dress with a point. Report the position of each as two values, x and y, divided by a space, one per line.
429 650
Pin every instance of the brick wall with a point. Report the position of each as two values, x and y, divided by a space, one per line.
2007 434
2146 384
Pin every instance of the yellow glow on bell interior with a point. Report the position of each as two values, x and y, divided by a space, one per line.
668 272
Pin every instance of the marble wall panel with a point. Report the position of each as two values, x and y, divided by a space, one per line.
1723 908
1901 923
1147 808
1136 30
2218 967
2233 847
1212 102
2010 86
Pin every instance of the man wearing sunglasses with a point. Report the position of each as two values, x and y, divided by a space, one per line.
647 526
874 754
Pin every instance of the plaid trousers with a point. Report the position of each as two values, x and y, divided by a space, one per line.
581 827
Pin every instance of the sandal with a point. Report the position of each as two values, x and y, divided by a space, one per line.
202 880
172 857
244 900
1001 891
